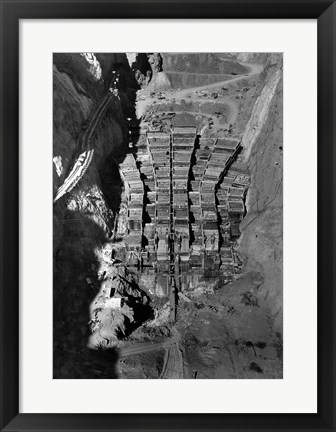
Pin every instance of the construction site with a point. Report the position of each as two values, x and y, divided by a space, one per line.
170 242
184 199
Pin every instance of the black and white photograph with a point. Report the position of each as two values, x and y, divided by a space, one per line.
167 215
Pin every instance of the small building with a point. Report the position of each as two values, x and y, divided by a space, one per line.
114 302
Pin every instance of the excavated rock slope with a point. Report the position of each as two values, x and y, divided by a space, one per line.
193 70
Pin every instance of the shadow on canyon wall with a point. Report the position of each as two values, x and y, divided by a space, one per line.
72 296
78 237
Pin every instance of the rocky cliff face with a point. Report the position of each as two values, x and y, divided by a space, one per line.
80 81
83 218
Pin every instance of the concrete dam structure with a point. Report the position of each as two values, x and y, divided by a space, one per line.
184 204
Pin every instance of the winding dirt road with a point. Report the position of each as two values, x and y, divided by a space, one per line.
178 95
255 69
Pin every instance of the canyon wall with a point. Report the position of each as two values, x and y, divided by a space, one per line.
261 241
83 218
80 81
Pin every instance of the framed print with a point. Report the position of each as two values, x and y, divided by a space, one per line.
167 215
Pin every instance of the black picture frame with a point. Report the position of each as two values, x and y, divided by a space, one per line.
11 12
